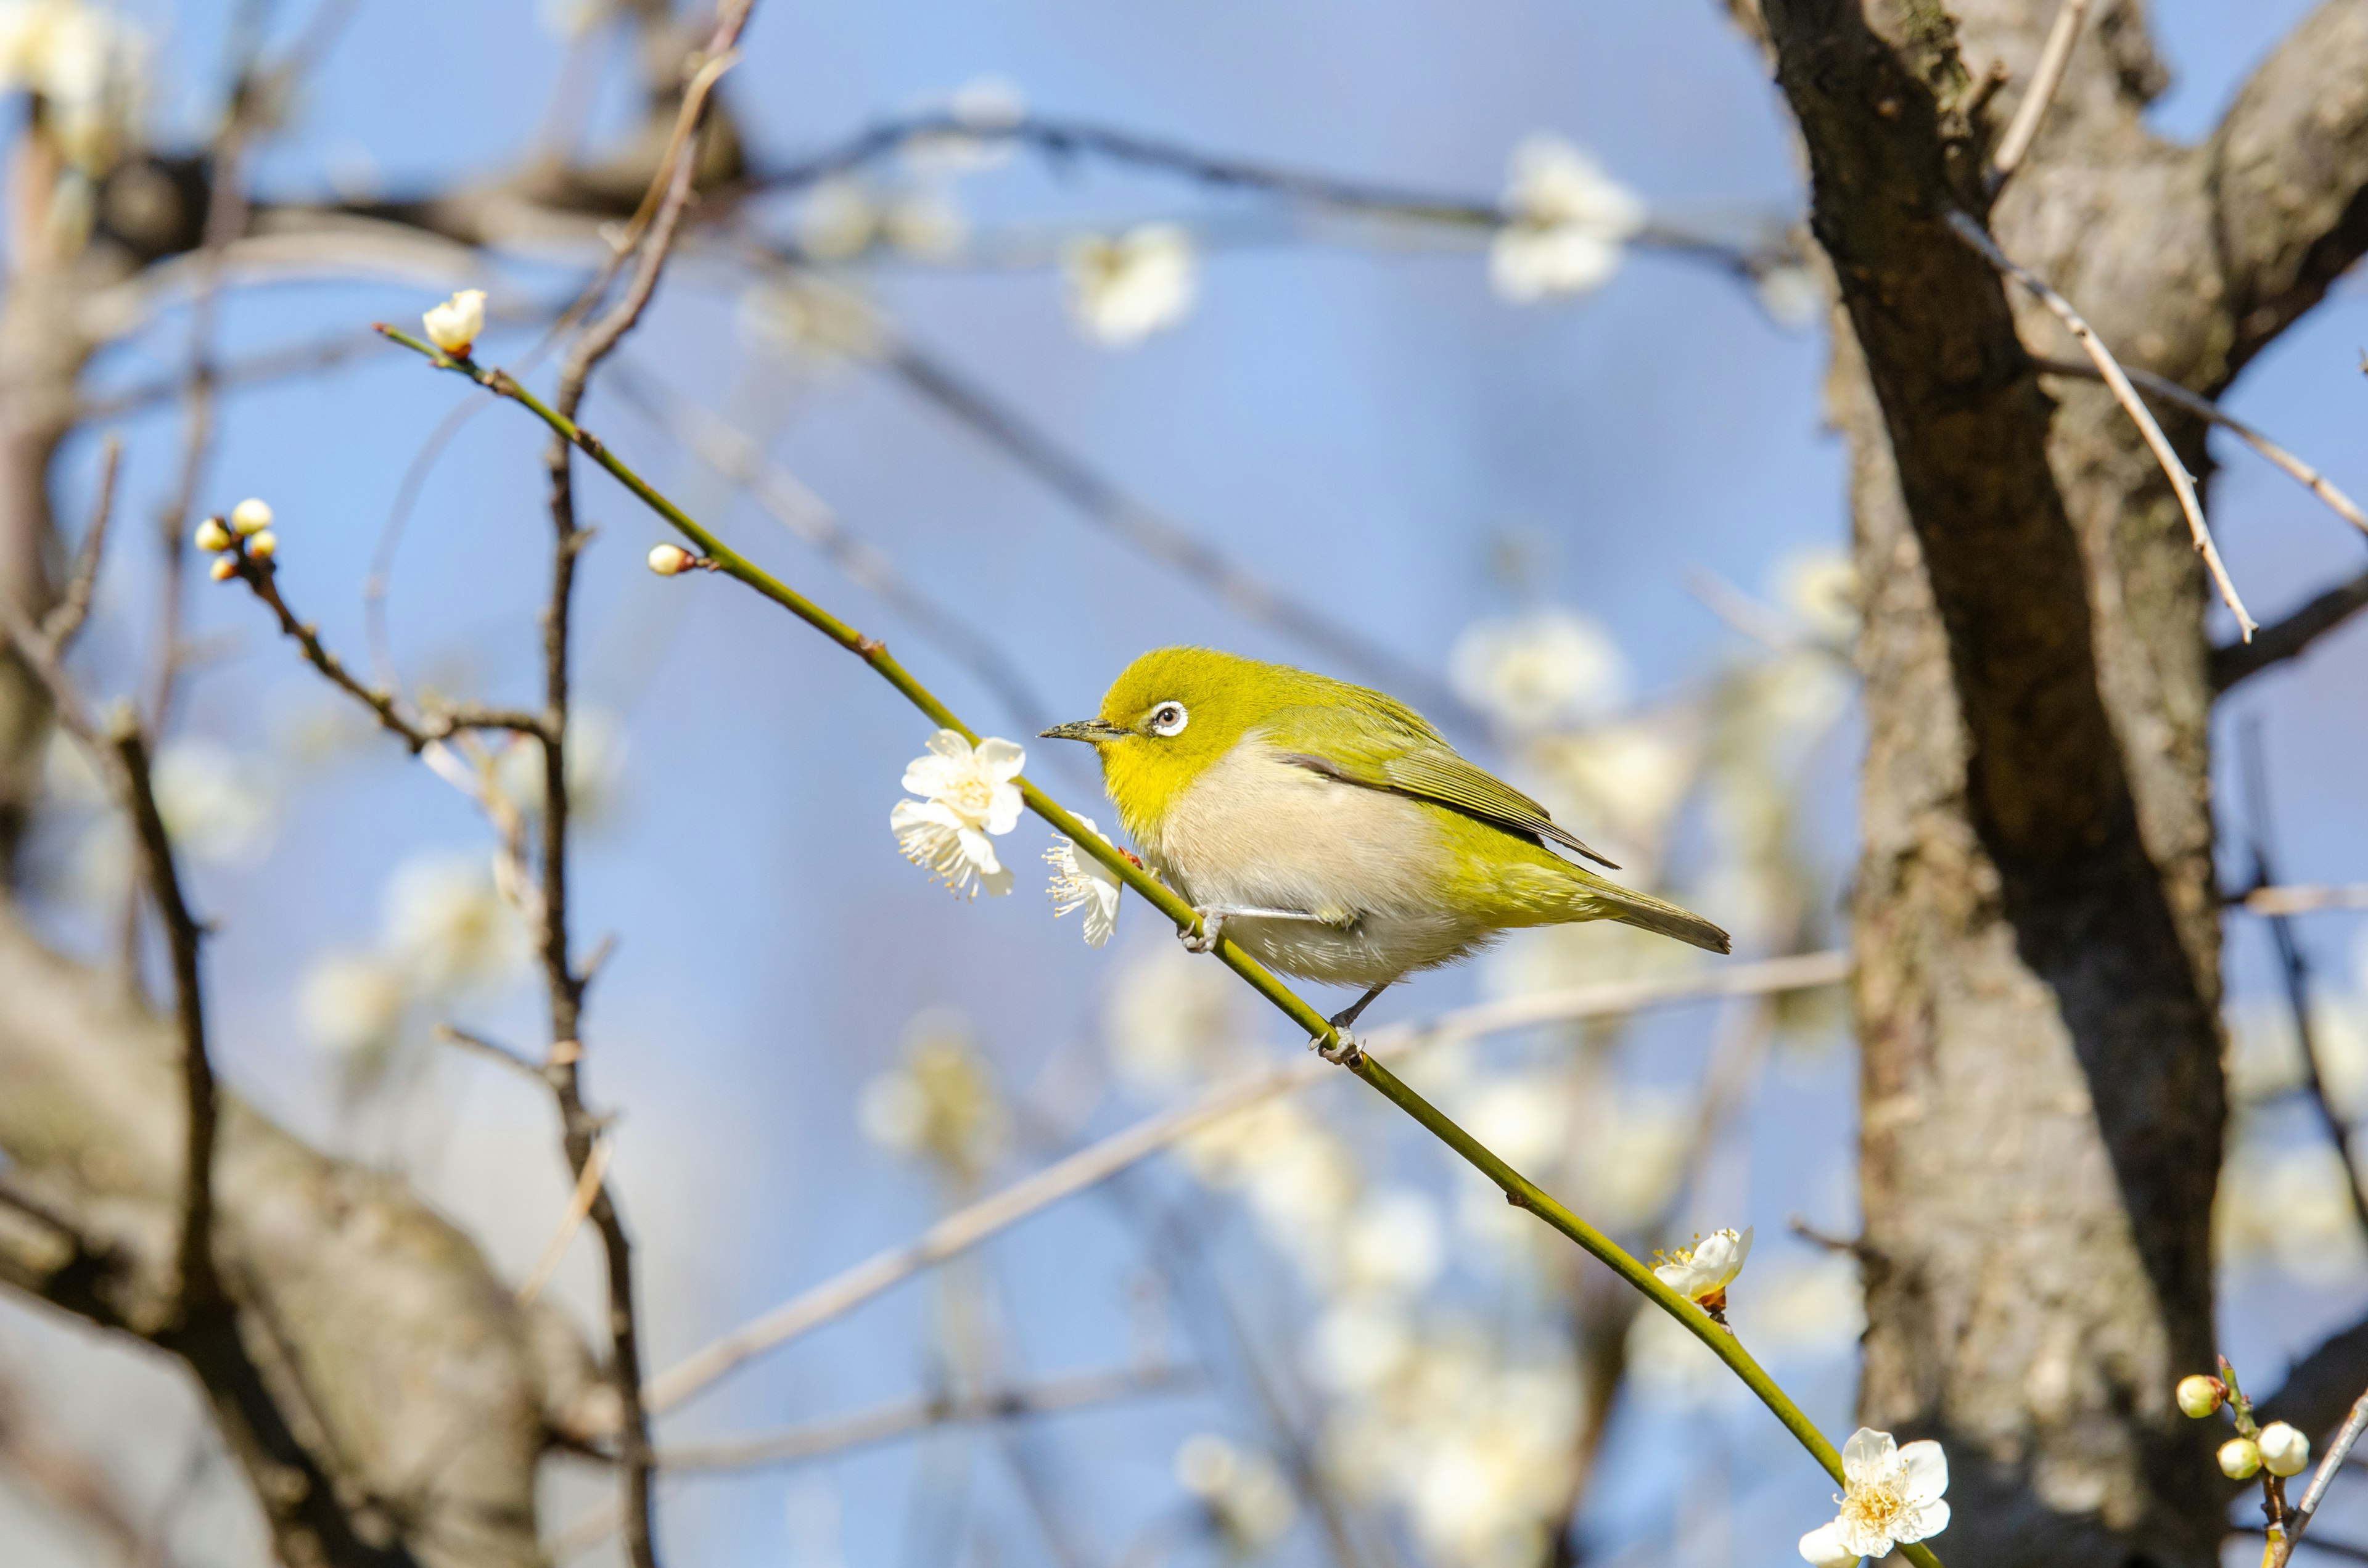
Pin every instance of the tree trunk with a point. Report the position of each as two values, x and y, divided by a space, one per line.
2036 912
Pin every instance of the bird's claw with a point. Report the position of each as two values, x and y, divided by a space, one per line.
1205 940
1344 1051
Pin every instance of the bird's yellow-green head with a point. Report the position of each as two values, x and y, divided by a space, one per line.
1172 713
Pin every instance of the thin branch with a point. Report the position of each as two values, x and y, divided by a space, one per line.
418 734
2045 78
2305 898
668 196
200 1285
2171 392
2110 370
965 1228
1322 1035
2287 639
843 1433
1164 539
2294 969
63 622
588 1186
491 1051
2328 1465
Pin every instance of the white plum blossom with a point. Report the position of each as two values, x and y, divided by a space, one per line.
1570 222
1532 671
1123 290
2285 1450
448 925
453 325
968 794
352 1003
1702 1272
1247 1499
90 68
1081 881
1891 1496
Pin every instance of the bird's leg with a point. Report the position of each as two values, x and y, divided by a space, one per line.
1347 1051
1213 917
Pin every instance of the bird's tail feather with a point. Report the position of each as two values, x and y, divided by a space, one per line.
1642 910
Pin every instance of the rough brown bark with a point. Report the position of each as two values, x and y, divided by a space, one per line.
2037 929
372 1374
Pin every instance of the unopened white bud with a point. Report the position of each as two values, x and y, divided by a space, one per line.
669 560
212 536
2200 1395
2285 1450
224 568
251 516
263 544
2239 1459
453 325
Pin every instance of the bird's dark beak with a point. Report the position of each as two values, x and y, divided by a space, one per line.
1092 731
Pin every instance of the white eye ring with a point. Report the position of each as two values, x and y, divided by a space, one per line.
1170 718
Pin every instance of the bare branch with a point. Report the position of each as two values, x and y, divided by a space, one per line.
668 197
2044 79
2294 970
2304 898
2171 392
2110 370
2287 639
63 622
967 1227
2287 172
587 1187
843 1434
2329 1464
200 1285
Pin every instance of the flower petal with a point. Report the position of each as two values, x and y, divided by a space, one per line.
1923 1520
933 775
1867 1455
1003 809
980 852
1001 759
1926 1470
1823 1546
949 745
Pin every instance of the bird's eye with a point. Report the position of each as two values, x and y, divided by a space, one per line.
1170 718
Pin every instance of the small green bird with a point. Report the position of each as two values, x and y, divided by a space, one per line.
1329 831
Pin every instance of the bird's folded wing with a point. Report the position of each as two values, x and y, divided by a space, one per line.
1428 770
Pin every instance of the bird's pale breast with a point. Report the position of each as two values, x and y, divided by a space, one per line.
1256 831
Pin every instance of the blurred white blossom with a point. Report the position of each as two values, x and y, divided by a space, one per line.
1820 587
1790 295
940 1103
595 756
352 1003
1891 1495
836 220
1570 222
1170 1021
216 804
928 223
448 925
2289 1204
1122 289
967 794
89 67
1549 666
1394 1242
823 321
1811 1308
1081 881
1248 1500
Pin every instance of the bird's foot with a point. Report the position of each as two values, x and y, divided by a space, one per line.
1213 925
1344 1051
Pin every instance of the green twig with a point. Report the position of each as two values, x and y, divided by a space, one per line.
1518 1188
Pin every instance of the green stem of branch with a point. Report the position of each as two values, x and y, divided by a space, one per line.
1518 1188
